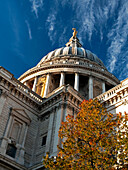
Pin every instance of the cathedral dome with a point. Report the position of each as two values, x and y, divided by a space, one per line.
73 49
71 52
72 65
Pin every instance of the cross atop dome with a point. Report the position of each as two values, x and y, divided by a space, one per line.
74 41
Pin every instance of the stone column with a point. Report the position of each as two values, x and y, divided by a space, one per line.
25 134
76 85
57 126
62 118
5 139
103 87
47 85
3 97
9 123
90 87
62 79
20 158
49 134
34 85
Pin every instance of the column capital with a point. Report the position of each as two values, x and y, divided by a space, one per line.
90 75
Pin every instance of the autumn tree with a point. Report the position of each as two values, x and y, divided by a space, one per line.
95 139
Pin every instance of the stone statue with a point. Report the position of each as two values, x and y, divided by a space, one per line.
41 86
75 32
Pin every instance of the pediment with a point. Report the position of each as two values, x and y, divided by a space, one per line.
21 114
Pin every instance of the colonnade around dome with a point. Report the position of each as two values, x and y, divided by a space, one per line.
72 65
88 86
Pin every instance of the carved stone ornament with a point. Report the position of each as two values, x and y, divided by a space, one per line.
41 86
125 102
4 94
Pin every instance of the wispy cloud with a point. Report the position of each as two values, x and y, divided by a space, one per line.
36 5
93 16
29 29
50 24
117 37
20 54
112 63
124 72
86 13
106 20
62 38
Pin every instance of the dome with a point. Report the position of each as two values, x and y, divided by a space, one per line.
70 51
71 65
73 49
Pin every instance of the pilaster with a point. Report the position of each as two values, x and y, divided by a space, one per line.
49 135
21 148
5 139
90 87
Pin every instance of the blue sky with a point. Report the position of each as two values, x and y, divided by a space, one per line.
30 29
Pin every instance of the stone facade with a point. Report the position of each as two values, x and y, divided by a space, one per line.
116 99
33 107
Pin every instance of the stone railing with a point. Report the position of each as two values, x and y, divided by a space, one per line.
16 87
66 88
114 95
28 91
55 91
109 93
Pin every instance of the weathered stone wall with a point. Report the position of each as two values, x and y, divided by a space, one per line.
116 99
8 102
84 86
5 167
42 132
97 87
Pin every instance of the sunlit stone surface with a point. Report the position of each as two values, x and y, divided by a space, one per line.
33 107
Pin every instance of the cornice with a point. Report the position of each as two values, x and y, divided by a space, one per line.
76 62
10 163
65 95
16 90
20 93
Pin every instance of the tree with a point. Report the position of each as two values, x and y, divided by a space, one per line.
95 139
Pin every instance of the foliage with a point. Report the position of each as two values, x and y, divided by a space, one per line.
95 139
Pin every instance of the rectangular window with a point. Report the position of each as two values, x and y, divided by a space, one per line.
44 140
11 150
